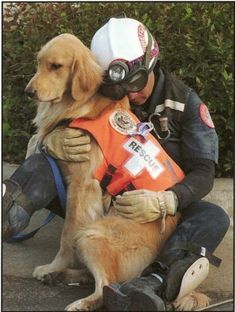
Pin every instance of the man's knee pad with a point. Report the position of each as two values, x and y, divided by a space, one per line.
16 209
36 180
30 188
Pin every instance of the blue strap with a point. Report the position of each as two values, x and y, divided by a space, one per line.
58 180
61 194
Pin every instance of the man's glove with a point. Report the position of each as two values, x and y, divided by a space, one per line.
68 144
146 206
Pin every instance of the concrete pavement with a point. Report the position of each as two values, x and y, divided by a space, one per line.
22 293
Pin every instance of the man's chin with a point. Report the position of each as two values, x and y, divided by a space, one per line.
140 102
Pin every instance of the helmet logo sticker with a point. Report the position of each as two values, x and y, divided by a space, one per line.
122 122
141 31
205 116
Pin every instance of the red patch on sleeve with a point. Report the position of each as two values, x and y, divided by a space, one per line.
205 116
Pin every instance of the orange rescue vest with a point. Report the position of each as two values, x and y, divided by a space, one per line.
131 161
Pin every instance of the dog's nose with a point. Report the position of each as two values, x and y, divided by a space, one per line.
31 93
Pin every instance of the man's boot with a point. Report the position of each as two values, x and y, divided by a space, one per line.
140 294
180 276
160 283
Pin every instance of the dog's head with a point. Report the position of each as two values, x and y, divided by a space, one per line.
66 67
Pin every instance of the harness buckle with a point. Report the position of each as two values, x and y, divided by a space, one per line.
164 127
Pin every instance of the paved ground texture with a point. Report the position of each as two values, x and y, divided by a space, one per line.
20 292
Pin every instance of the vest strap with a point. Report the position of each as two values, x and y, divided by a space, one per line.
129 187
105 181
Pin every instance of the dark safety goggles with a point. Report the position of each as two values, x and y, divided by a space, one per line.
122 78
134 82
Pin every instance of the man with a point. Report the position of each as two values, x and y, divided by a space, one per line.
129 55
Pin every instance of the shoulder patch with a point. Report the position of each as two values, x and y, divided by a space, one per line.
205 116
122 122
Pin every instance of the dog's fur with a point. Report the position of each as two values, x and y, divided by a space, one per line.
112 248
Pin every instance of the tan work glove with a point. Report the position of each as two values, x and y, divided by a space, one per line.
146 206
68 144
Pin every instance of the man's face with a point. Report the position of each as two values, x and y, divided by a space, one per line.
139 98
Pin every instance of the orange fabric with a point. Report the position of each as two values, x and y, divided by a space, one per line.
139 161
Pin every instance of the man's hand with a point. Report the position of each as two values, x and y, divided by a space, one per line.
146 206
68 144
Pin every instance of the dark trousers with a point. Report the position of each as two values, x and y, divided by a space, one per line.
203 223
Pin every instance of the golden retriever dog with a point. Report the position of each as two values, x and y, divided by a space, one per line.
112 248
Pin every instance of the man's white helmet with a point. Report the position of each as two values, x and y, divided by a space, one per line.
122 39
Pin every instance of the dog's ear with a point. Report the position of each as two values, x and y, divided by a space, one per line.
87 76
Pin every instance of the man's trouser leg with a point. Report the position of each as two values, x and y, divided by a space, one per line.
30 188
203 225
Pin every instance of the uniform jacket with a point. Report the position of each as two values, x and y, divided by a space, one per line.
193 141
192 131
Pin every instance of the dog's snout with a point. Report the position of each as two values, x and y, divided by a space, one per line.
31 92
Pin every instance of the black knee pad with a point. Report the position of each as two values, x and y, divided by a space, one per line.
36 180
221 217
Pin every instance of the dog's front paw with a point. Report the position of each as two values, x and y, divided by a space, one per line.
81 305
192 302
41 271
47 275
76 306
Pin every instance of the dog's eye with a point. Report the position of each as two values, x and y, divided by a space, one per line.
56 66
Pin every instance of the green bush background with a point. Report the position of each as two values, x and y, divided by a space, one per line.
196 43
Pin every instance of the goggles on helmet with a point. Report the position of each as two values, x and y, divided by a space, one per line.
124 77
135 82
